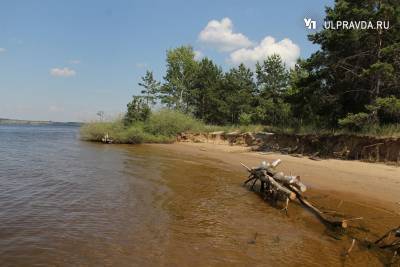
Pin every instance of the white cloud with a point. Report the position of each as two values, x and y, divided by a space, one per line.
74 61
219 34
62 72
288 51
198 55
2 50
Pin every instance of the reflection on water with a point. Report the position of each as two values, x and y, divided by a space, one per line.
65 202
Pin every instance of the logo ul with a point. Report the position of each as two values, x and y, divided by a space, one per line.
310 24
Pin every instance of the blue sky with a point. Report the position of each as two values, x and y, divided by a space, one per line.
65 60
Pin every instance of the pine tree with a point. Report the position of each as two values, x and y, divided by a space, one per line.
137 110
272 87
151 88
240 90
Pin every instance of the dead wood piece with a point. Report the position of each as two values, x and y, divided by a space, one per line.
387 235
391 241
246 167
275 185
331 220
351 247
314 156
284 190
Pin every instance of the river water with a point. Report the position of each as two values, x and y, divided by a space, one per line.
65 202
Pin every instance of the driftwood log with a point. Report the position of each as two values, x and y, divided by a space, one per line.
275 185
391 241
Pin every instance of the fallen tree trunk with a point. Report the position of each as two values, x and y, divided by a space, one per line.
276 185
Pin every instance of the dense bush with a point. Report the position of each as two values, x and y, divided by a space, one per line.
95 131
388 109
169 123
355 122
160 127
245 119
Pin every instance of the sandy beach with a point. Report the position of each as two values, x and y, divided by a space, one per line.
366 189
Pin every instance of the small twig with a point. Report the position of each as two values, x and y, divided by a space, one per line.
246 167
354 219
394 257
351 247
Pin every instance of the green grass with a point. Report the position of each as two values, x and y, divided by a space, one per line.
164 125
134 134
161 127
389 130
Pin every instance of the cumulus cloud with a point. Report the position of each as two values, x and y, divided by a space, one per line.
198 55
2 50
219 34
62 72
288 51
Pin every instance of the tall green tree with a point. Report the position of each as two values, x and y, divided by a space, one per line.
137 110
151 88
272 87
272 77
181 69
240 90
206 93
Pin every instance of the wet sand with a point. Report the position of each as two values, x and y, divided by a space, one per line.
378 183
353 188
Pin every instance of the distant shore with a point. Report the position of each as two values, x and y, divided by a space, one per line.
33 122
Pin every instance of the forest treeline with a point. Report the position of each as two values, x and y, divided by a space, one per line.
352 81
351 84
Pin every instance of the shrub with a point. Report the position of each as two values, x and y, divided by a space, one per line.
355 122
95 131
245 118
170 123
160 127
388 109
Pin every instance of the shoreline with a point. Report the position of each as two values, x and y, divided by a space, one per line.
327 146
358 189
351 176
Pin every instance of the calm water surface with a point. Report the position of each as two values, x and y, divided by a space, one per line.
70 203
